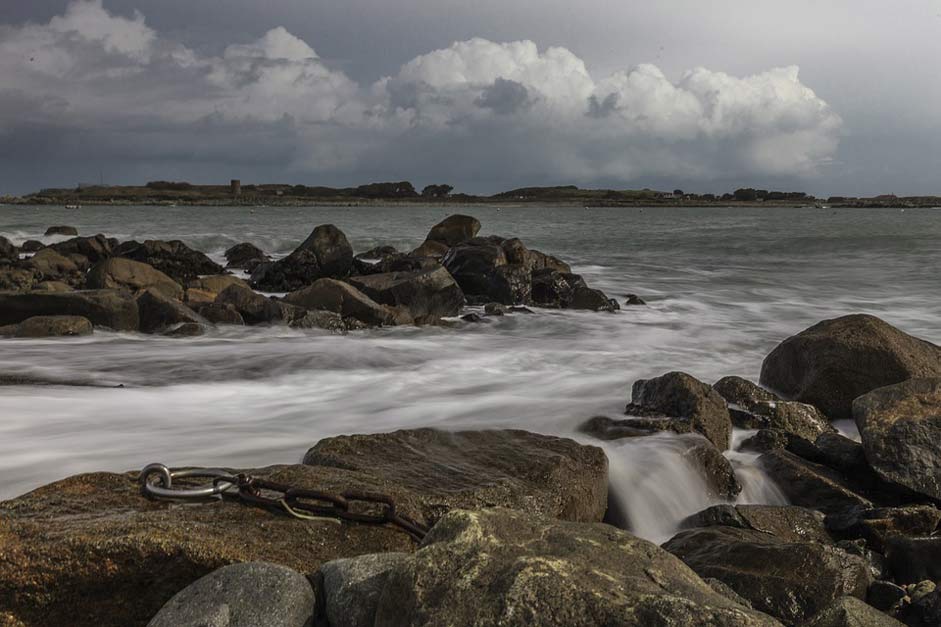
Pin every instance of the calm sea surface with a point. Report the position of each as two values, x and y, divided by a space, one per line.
723 287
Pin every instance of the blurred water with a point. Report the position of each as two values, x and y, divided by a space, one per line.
723 287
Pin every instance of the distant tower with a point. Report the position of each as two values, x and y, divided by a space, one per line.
236 186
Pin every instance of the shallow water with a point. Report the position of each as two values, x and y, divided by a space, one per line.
723 287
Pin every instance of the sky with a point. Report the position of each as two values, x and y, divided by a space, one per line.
836 97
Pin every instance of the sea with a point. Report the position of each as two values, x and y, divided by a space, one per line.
722 285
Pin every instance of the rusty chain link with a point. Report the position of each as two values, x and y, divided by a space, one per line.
351 505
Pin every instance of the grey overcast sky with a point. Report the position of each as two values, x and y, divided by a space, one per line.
831 97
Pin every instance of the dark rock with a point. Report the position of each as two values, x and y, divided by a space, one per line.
786 522
252 306
427 295
117 273
185 329
245 256
592 299
94 248
49 265
838 451
551 288
17 279
885 596
605 428
473 265
31 246
812 485
727 592
541 261
495 309
691 404
53 286
377 253
792 581
52 326
511 285
220 313
346 300
714 468
326 320
742 392
453 230
216 283
326 253
911 560
900 427
61 230
499 567
835 361
875 561
535 473
766 440
434 250
352 587
851 612
115 309
514 309
242 595
474 317
7 249
877 525
158 312
925 612
752 407
634 299
174 258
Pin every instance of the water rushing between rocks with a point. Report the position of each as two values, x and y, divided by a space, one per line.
722 287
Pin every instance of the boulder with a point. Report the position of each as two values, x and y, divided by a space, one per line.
31 246
253 307
715 469
326 320
592 300
52 326
911 560
115 309
435 250
792 581
786 522
473 264
242 595
900 426
118 272
220 313
94 248
511 285
634 300
185 329
215 283
687 403
833 362
174 258
194 297
7 249
352 587
245 256
886 596
346 300
551 288
851 612
877 525
53 286
377 253
924 611
17 279
453 230
158 312
742 392
50 265
539 474
326 253
61 230
427 295
812 485
501 567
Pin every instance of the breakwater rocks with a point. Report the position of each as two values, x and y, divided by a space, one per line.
167 287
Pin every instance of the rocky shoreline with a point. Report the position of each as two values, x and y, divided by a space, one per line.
522 528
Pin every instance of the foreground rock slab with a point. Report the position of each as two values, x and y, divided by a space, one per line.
833 362
500 567
114 309
49 326
242 595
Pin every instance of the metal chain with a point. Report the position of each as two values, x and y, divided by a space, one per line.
156 482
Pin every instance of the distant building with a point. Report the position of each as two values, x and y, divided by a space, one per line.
236 186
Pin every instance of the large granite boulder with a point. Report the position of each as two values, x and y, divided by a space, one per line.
539 474
49 326
245 256
158 312
326 253
900 427
50 265
682 403
117 272
453 230
427 295
474 265
173 258
252 307
792 581
786 522
833 362
115 309
242 595
344 299
352 588
501 567
94 248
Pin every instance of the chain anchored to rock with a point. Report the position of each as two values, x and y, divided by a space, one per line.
156 482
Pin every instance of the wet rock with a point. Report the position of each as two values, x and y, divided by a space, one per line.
634 299
900 426
326 253
688 404
752 407
925 612
216 283
511 285
474 318
838 451
835 361
158 312
551 288
786 522
253 307
766 440
499 567
61 230
242 595
473 265
7 249
245 256
885 596
714 468
16 279
94 248
427 295
742 392
117 272
220 313
185 329
377 253
53 286
877 525
115 309
352 587
911 560
434 250
50 265
453 230
851 612
495 309
326 320
31 246
812 485
195 297
174 258
344 299
51 326
535 473
727 592
792 581
592 300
